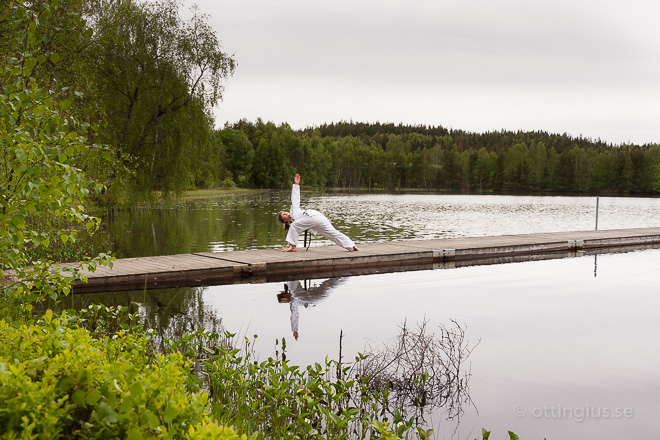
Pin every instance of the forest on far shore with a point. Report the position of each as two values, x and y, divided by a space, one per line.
389 156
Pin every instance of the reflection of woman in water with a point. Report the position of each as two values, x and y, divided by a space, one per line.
297 295
297 221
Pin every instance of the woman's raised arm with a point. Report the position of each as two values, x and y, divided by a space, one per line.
295 195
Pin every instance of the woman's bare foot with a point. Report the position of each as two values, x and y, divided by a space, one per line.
355 248
289 249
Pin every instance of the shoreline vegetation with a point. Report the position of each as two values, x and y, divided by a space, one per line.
103 378
396 158
389 156
206 193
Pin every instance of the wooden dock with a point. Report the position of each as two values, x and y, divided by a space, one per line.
269 265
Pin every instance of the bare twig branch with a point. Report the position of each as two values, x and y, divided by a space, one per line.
422 370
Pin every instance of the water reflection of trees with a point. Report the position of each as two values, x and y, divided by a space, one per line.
172 313
225 223
422 371
168 313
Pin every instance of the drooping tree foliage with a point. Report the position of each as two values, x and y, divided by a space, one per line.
146 77
236 153
156 78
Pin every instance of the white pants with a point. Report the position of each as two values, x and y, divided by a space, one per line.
317 223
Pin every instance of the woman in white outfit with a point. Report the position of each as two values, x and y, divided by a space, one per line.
297 221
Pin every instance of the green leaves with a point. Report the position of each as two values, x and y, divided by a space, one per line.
30 62
425 434
63 382
485 435
79 398
284 401
65 104
42 188
21 155
170 414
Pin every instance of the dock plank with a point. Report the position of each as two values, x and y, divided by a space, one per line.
204 268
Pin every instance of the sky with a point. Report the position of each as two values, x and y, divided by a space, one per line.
582 67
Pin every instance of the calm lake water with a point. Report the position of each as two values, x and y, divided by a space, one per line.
248 221
562 348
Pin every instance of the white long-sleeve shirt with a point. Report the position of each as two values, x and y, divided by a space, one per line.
295 210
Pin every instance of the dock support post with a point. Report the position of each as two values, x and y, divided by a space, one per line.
444 254
574 245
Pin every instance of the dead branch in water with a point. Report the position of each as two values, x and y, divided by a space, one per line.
422 370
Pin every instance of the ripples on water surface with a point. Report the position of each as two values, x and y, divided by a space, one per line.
248 221
387 217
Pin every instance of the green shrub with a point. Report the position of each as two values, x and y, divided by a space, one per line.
60 382
288 402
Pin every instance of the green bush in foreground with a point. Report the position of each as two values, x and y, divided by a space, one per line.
276 400
86 375
60 382
95 374
289 402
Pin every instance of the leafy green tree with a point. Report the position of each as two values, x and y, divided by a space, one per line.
582 161
320 161
272 167
59 36
565 173
353 154
464 162
396 149
238 154
515 169
604 170
537 158
485 170
42 188
207 158
431 164
626 175
552 169
157 78
640 164
650 161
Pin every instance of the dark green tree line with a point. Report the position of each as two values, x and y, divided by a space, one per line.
356 155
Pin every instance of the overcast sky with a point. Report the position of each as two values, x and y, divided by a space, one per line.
582 67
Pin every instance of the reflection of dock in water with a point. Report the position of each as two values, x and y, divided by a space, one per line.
268 265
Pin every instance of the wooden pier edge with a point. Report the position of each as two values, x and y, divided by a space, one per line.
271 265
